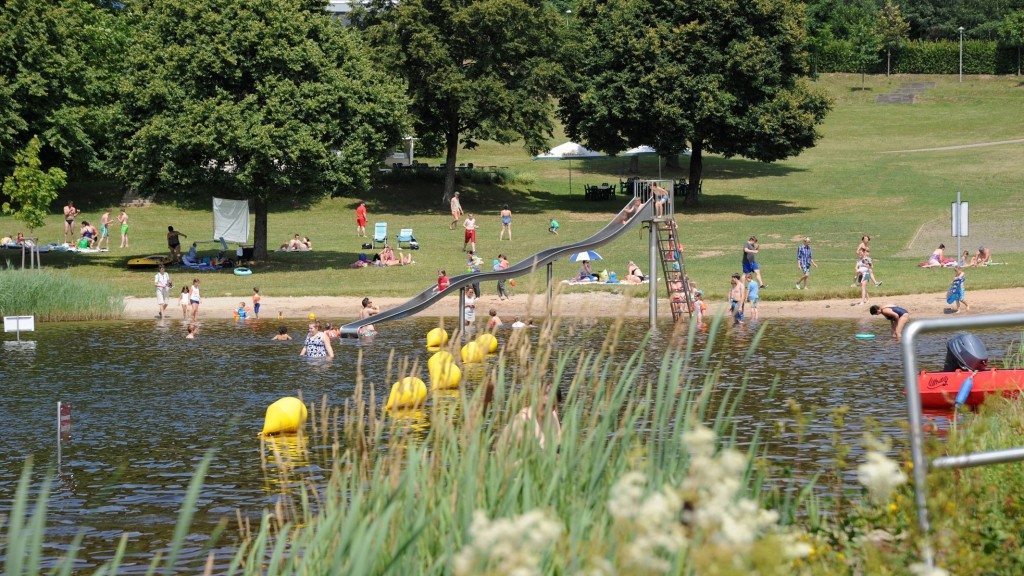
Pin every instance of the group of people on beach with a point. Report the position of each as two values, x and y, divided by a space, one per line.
88 235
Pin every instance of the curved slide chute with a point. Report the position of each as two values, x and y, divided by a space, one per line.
428 297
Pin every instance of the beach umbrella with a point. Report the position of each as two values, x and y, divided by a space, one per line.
569 151
585 255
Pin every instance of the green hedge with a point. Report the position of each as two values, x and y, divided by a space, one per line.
920 57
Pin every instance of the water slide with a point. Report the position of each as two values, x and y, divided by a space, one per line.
428 297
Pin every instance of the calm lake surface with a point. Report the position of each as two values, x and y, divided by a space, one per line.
147 405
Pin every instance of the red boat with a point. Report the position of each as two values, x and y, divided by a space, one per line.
939 389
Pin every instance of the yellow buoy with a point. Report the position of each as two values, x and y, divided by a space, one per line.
439 358
447 375
437 337
488 342
286 415
409 392
472 353
312 316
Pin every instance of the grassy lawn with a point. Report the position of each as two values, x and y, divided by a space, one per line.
870 174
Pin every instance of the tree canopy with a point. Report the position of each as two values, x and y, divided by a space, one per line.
712 75
31 188
270 100
476 69
58 65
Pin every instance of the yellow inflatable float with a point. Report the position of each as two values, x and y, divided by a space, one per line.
488 342
472 353
437 337
409 392
444 373
286 415
439 358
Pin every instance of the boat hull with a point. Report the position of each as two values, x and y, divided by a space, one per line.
939 389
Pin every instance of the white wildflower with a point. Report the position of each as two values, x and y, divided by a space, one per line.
507 545
794 546
627 494
652 521
700 441
880 476
922 569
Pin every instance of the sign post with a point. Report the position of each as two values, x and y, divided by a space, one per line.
959 212
19 324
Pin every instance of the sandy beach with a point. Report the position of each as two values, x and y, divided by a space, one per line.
600 304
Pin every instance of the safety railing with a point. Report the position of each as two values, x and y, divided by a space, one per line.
910 373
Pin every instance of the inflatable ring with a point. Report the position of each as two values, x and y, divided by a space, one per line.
242 271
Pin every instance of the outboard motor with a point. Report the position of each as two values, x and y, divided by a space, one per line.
965 352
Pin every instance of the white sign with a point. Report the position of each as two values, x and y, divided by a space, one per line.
19 323
959 211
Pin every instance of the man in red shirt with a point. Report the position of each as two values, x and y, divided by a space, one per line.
361 219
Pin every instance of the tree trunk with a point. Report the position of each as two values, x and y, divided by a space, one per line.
451 155
888 60
696 170
259 238
634 164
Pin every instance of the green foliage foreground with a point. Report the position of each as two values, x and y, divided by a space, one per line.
646 479
57 296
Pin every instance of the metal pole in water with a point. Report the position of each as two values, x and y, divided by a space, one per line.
652 266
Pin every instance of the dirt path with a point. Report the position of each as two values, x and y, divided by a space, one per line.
600 304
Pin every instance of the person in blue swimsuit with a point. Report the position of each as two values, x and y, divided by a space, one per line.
896 316
506 223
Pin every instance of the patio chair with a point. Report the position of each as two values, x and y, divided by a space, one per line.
405 235
380 233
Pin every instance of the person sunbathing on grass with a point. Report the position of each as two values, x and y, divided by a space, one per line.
387 257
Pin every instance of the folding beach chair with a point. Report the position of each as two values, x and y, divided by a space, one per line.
380 233
405 235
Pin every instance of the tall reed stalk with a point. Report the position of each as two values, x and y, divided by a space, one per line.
457 487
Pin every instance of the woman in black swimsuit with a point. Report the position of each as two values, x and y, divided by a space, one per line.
174 243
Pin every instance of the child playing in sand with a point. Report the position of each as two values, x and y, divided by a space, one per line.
553 227
242 312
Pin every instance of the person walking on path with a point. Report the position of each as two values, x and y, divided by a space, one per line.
506 223
123 219
470 236
69 220
174 243
862 251
361 219
753 296
456 207
956 290
897 317
163 284
804 261
193 298
750 266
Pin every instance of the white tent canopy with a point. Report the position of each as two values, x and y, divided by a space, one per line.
568 150
231 220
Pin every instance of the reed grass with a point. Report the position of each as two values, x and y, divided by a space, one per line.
57 296
452 488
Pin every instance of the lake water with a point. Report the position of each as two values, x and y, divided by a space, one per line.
147 404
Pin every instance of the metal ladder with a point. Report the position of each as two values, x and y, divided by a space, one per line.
677 284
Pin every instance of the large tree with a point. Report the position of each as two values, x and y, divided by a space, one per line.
476 69
270 100
58 65
1012 32
713 75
